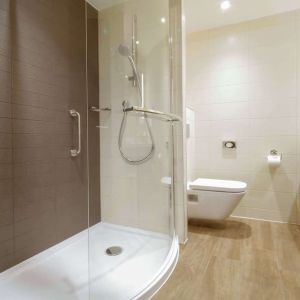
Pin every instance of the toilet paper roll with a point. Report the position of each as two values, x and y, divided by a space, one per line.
274 160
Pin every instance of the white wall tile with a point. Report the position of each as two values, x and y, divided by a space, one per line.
231 93
273 108
203 128
229 76
270 200
278 72
274 126
230 128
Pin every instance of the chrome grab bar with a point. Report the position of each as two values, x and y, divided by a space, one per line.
75 114
165 116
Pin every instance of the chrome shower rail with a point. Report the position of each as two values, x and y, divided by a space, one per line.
155 113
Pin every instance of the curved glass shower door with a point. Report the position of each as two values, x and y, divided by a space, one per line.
134 247
60 152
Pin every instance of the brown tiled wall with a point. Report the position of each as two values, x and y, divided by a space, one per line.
6 166
43 190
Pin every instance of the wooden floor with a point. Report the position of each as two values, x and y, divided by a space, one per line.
245 259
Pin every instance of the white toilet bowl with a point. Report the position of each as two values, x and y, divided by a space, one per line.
213 199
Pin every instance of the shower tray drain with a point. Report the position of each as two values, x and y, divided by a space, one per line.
114 251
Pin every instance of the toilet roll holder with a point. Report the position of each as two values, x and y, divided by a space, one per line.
274 158
274 152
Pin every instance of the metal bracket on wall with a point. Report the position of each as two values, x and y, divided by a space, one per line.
97 109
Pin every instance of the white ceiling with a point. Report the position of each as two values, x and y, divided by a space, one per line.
204 14
102 4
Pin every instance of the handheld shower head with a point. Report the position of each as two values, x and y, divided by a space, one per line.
124 50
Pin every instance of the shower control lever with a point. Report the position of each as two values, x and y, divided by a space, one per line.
75 115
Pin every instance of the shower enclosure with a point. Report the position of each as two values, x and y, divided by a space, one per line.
86 199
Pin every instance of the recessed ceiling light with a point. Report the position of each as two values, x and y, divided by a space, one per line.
163 20
225 5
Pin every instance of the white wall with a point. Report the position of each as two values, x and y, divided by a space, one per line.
243 84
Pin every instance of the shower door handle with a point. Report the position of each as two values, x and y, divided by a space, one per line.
75 114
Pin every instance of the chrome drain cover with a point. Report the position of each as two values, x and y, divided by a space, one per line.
114 251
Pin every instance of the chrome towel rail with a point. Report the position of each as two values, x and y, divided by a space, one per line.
155 113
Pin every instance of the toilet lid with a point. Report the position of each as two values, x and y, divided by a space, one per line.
218 185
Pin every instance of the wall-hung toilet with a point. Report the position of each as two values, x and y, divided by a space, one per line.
214 199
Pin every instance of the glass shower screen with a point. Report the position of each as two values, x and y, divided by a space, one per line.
131 248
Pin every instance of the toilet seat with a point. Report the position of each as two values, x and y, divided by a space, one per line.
217 185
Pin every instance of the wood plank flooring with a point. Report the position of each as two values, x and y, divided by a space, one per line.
239 259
